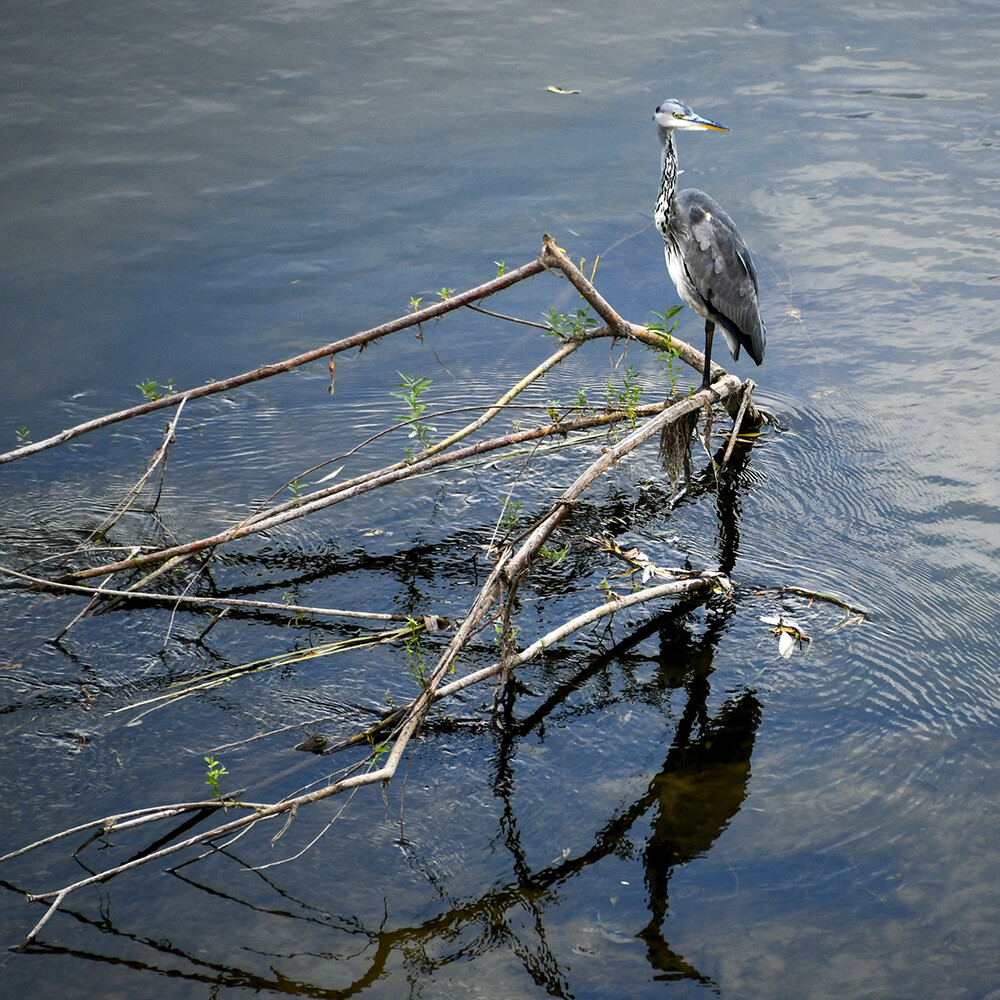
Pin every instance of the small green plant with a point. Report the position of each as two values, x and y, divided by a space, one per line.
554 556
446 293
215 771
378 750
584 321
667 321
508 516
558 323
498 639
291 597
415 303
152 390
412 642
297 488
627 396
566 325
415 406
23 437
666 326
501 267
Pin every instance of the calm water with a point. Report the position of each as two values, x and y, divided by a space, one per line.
673 809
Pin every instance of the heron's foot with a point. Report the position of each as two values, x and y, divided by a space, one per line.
706 384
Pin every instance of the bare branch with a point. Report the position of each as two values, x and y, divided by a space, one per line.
511 563
100 592
266 371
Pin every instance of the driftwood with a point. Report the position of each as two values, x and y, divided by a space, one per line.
493 600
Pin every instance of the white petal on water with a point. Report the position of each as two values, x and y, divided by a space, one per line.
786 644
330 475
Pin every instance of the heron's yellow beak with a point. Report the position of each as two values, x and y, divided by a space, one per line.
706 123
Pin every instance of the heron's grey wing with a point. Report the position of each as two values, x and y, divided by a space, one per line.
719 265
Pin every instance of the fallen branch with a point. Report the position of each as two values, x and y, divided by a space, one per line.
329 350
101 592
409 721
506 575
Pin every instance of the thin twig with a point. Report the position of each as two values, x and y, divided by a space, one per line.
108 824
510 319
159 458
328 350
746 392
101 592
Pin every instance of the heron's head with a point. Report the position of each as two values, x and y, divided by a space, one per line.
673 114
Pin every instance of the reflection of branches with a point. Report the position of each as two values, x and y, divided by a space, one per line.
688 803
406 723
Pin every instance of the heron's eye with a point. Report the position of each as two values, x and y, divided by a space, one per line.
677 114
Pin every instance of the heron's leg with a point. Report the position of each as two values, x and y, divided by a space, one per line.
706 379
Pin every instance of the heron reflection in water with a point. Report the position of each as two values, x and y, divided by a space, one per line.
706 256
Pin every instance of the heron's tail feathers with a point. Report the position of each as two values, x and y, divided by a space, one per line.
753 342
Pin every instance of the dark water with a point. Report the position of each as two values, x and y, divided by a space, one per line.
189 192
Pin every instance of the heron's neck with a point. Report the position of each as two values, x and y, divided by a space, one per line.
668 182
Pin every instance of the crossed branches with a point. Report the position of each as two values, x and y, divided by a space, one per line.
511 563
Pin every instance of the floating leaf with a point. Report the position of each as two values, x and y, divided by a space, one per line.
559 90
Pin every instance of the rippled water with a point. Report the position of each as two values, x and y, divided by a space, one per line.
673 808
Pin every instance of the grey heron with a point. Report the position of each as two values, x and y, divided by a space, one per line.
706 256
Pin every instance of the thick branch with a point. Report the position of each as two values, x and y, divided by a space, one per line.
520 561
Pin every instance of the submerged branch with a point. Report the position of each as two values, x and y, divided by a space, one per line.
181 600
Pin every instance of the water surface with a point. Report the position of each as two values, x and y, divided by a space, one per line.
672 808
